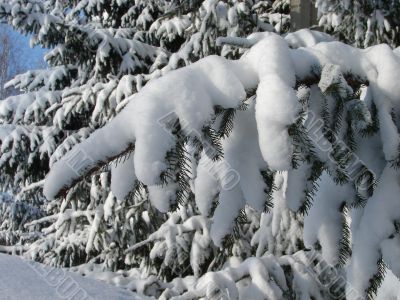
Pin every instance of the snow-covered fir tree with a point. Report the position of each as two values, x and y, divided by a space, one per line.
14 214
197 182
100 55
314 128
363 23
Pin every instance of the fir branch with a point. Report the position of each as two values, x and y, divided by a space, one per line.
374 126
325 116
345 241
349 136
268 178
376 281
227 123
317 168
304 149
212 143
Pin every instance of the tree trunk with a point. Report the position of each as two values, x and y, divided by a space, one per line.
303 14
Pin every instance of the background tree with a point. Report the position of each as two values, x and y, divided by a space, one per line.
15 212
10 60
362 23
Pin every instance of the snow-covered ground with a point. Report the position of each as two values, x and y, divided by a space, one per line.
22 279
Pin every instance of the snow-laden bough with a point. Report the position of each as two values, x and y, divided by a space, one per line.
324 114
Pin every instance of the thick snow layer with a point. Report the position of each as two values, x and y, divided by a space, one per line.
123 177
196 90
22 279
270 64
221 87
277 105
